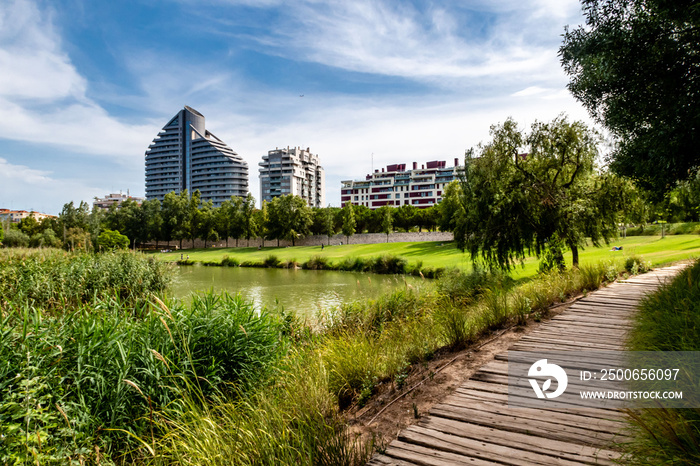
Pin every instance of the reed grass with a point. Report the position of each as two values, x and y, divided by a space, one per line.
668 320
215 382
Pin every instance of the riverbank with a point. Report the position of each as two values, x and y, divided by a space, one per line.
139 380
427 257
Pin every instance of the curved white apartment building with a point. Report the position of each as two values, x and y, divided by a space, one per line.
185 155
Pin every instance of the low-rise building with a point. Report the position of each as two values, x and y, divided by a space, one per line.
16 216
420 187
109 200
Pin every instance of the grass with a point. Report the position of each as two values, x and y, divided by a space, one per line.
138 380
442 255
669 320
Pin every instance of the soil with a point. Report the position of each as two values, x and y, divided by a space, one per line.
428 383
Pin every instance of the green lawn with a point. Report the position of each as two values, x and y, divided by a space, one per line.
436 254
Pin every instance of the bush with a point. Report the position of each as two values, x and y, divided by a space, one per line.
15 239
108 370
55 279
110 240
317 263
271 261
229 262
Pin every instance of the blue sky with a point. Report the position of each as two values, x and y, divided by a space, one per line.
85 85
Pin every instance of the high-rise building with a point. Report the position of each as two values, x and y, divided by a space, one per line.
292 171
421 187
185 155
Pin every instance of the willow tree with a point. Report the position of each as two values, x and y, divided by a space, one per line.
522 192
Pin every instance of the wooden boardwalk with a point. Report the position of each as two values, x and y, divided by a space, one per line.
474 426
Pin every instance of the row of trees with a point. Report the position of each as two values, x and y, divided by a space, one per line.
184 218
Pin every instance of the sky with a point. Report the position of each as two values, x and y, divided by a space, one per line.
85 85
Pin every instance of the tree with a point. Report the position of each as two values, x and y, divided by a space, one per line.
109 240
386 220
348 227
175 216
405 217
45 239
288 218
205 223
514 204
635 67
329 222
191 217
249 227
154 220
262 220
15 238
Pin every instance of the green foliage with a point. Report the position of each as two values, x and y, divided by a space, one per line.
647 95
514 204
668 320
108 369
15 239
289 218
110 240
47 239
55 279
348 215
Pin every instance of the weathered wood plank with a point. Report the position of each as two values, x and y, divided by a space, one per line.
475 426
570 451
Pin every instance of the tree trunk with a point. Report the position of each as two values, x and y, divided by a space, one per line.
226 240
574 255
180 243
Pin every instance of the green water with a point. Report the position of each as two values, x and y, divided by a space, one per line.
304 292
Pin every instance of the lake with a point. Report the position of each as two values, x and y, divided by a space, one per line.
304 292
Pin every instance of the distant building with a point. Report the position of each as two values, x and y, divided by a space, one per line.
420 187
185 155
109 200
292 171
16 216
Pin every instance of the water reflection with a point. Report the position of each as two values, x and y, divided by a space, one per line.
302 291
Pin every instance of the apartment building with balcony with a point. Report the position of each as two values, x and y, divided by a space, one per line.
185 155
395 186
292 171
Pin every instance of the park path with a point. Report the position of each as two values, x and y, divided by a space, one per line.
474 426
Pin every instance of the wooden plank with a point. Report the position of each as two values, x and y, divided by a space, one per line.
383 460
577 434
582 453
478 448
475 426
485 395
557 417
428 457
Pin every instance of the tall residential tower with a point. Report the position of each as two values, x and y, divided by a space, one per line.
185 155
292 171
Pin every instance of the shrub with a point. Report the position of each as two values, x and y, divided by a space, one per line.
271 261
316 263
227 261
15 239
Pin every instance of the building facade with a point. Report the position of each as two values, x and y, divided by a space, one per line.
16 216
109 200
420 187
186 156
292 171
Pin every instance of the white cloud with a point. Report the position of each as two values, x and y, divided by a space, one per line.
434 43
46 98
22 187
